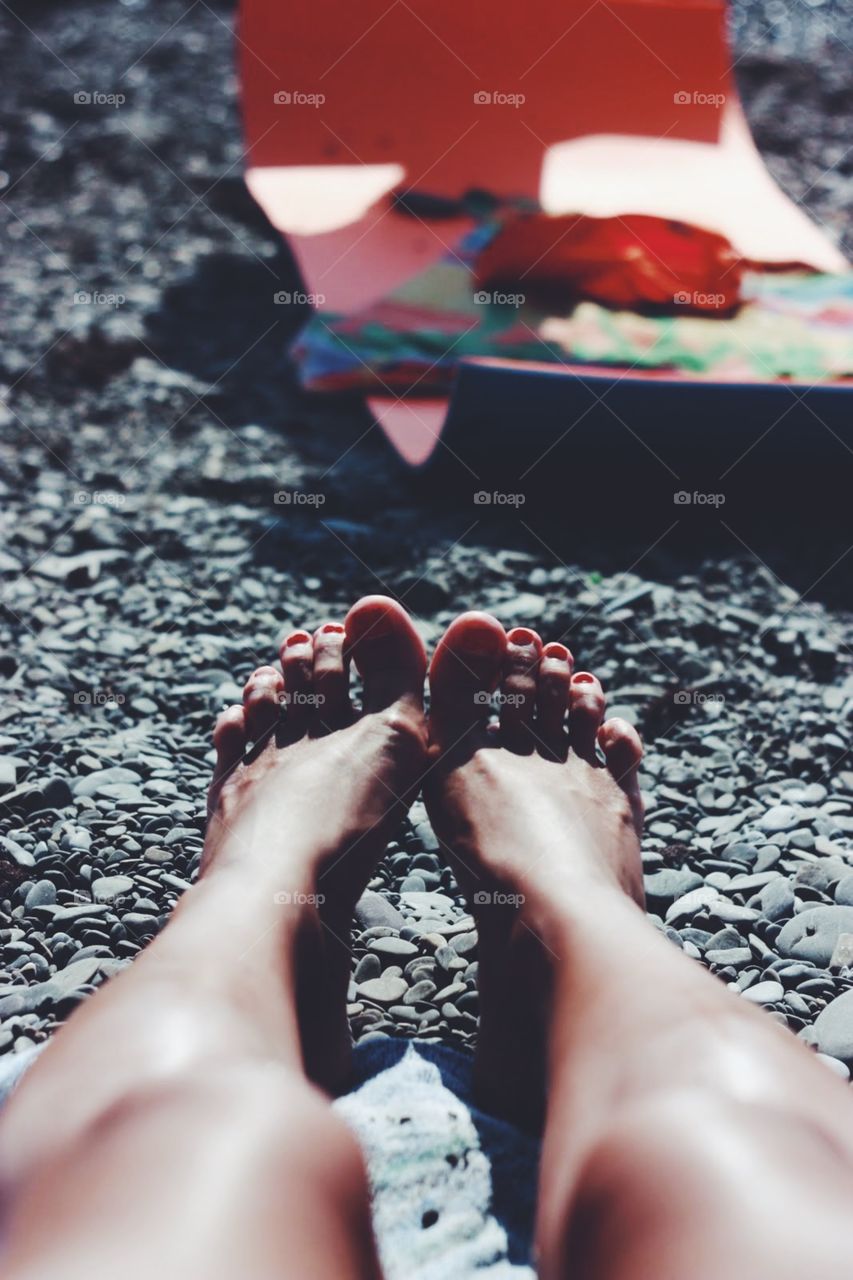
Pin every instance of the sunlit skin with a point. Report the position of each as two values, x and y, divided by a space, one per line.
180 1124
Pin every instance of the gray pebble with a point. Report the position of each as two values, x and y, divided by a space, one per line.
812 934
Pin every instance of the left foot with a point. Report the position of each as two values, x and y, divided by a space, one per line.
307 801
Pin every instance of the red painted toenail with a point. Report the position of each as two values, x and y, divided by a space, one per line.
333 628
520 635
299 637
583 677
555 650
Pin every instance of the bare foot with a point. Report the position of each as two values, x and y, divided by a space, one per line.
528 814
306 792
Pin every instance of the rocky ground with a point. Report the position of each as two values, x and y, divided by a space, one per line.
148 564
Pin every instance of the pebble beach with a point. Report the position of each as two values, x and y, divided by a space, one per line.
172 503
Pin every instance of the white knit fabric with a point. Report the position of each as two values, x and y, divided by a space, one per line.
430 1181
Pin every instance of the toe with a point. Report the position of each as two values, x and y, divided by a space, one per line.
331 677
555 679
518 689
388 652
229 741
262 702
623 751
297 664
464 672
586 711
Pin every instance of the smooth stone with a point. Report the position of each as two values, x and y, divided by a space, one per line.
671 883
42 894
814 876
691 903
17 852
139 922
374 909
414 883
844 891
768 856
813 934
107 888
741 851
464 943
833 1028
764 992
419 992
369 966
427 903
66 914
729 955
70 979
425 834
777 899
393 948
90 784
781 817
749 883
448 959
386 990
452 992
842 956
731 913
726 939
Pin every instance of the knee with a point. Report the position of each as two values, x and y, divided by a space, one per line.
697 1170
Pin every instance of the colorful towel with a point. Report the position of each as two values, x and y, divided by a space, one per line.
790 325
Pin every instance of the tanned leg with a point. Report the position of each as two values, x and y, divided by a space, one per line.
686 1135
171 1128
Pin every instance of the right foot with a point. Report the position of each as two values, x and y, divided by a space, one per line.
305 804
529 818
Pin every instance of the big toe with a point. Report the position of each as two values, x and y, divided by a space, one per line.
465 670
387 651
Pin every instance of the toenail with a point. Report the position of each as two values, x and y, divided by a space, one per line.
520 635
583 677
332 628
481 642
555 650
298 637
